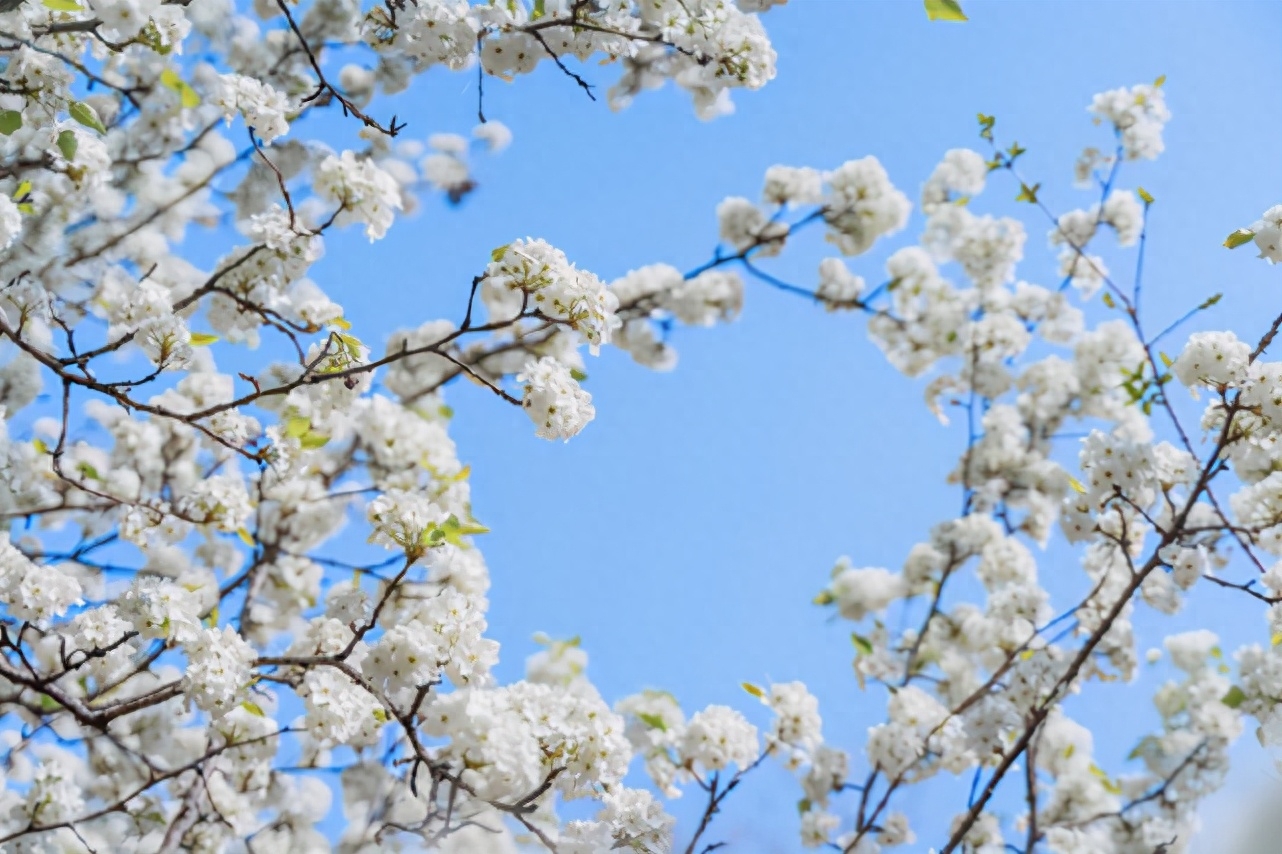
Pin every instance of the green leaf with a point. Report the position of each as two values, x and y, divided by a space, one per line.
67 144
1241 237
1028 194
453 531
431 535
151 37
10 121
944 10
540 9
311 441
803 806
351 345
862 644
1166 360
88 471
754 690
652 721
986 129
170 80
497 254
1210 302
297 427
253 708
381 716
578 375
823 598
1109 786
86 115
63 5
1108 300
1157 84
23 189
245 537
202 339
1234 697
39 445
1144 194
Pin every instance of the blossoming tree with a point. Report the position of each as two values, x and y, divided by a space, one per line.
178 653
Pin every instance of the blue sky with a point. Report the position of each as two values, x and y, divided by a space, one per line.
683 534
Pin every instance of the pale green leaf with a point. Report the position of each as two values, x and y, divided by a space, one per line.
86 115
297 427
67 144
652 721
944 10
311 441
170 80
1241 237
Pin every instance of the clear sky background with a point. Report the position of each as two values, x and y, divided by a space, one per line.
683 534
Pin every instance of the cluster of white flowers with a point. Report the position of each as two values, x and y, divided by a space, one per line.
1266 232
404 520
554 400
169 596
338 710
862 205
1139 114
961 174
1129 489
218 670
264 109
531 275
214 515
512 739
363 192
31 592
